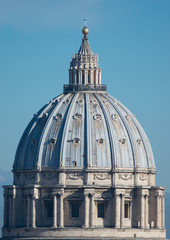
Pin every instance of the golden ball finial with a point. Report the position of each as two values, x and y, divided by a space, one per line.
85 30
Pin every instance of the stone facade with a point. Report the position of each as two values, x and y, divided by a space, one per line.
84 167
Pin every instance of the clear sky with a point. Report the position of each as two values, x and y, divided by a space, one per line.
132 38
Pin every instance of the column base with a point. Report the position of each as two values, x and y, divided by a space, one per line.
61 226
85 226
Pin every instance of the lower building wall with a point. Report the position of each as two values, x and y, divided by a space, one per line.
79 233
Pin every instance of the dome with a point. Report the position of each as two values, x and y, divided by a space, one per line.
84 127
84 167
84 130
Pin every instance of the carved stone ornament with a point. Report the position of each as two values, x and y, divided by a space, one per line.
77 117
97 117
125 176
76 141
122 141
50 175
58 117
74 176
115 116
45 115
102 197
101 176
80 101
139 141
30 176
142 177
52 141
94 102
128 117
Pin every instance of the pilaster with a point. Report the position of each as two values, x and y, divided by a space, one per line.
92 206
61 211
117 209
86 210
54 210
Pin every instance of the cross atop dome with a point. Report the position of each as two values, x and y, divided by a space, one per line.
85 20
85 30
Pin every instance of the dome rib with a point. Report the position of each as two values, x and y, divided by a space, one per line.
65 132
113 127
146 143
21 154
87 136
108 131
133 129
40 156
141 132
126 127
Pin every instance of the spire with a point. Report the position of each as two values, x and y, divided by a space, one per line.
85 47
84 72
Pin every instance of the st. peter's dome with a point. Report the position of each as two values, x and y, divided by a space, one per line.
84 127
84 167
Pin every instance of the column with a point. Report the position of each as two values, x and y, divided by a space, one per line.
91 76
61 212
80 76
86 210
70 76
146 211
122 211
96 76
92 210
130 212
13 210
33 219
100 76
158 211
54 211
142 211
85 76
74 76
117 209
163 211
28 211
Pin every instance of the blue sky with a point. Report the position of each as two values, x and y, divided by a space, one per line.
132 38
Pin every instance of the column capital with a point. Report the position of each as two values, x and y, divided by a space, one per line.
88 192
92 194
119 192
159 193
144 192
58 192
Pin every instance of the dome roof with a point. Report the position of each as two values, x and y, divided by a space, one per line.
84 127
84 130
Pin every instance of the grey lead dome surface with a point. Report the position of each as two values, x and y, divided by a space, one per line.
84 127
84 130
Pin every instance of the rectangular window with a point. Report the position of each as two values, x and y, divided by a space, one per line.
49 208
82 77
100 210
126 215
75 210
